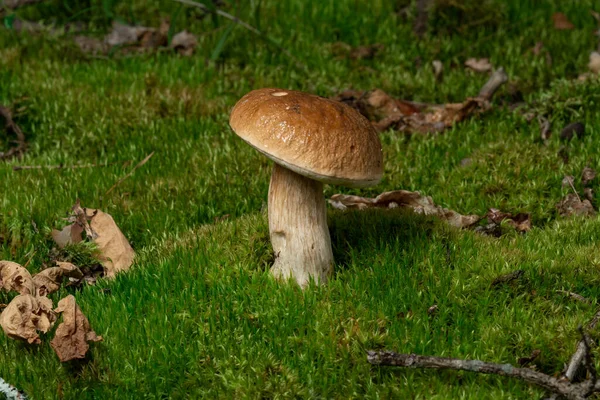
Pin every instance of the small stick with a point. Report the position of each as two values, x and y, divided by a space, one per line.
60 166
497 79
249 27
574 295
564 388
144 161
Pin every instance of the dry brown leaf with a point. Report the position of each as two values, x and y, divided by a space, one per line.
405 199
91 45
115 250
15 277
122 34
561 22
25 315
587 176
594 64
184 43
49 280
116 253
571 205
479 64
70 234
521 221
387 112
73 334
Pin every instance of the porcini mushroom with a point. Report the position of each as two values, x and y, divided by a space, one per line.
312 141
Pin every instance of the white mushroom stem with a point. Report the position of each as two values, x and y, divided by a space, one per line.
298 228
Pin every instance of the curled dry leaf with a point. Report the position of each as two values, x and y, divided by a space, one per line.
404 199
561 22
587 176
387 112
521 221
184 43
15 277
49 280
116 253
571 205
479 64
73 334
25 315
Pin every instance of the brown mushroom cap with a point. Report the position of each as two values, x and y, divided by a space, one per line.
313 136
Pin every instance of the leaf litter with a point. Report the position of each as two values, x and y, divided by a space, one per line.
425 205
386 112
31 311
127 39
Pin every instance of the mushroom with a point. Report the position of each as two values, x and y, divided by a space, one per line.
312 140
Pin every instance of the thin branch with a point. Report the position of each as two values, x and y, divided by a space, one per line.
60 166
497 79
245 25
575 391
144 161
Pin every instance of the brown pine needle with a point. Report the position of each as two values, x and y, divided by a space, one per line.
144 161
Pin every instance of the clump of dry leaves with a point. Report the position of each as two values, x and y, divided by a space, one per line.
572 204
31 311
129 38
386 112
421 204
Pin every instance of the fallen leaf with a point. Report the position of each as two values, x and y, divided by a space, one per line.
70 234
184 43
49 280
561 22
588 193
116 254
115 250
587 176
73 334
571 205
568 181
25 315
479 64
386 112
122 34
521 222
594 64
404 199
15 277
91 45
365 52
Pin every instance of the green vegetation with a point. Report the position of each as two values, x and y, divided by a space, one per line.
199 315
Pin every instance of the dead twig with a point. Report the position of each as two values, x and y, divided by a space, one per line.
245 25
10 126
497 79
60 166
574 391
573 295
144 161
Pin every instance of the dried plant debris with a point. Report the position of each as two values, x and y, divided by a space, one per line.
587 176
127 38
115 252
386 112
523 361
11 129
49 280
572 205
184 43
573 129
506 278
16 277
343 50
561 22
520 222
404 199
479 64
73 334
25 316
